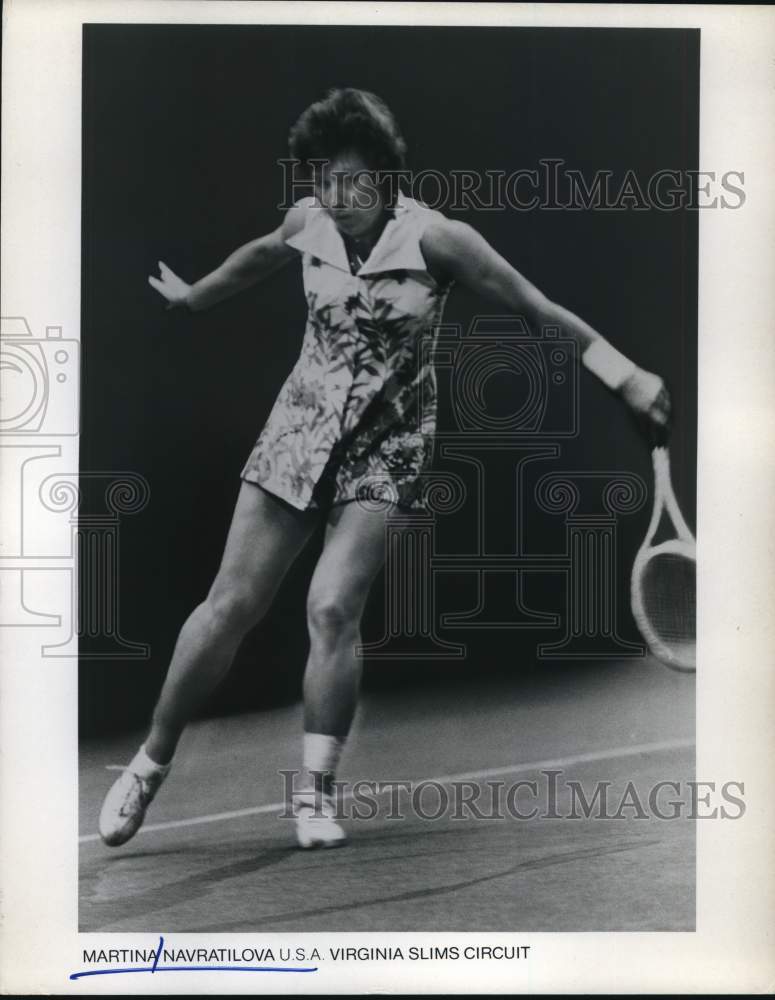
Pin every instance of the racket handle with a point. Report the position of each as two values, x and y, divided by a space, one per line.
659 435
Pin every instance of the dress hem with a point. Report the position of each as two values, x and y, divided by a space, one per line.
313 506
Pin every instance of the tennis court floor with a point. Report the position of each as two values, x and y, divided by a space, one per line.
216 856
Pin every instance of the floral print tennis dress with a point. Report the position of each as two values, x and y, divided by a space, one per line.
356 416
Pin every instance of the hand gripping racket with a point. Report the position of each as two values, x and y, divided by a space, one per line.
664 579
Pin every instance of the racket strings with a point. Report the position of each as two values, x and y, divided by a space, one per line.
669 590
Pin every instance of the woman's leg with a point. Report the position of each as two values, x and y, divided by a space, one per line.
353 553
264 538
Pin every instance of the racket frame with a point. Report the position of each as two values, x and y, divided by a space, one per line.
684 546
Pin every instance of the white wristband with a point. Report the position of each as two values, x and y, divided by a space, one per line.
611 367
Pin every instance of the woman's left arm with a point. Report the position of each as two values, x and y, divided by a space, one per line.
456 249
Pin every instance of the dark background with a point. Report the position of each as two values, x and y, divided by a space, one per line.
183 127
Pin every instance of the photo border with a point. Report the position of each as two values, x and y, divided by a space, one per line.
41 244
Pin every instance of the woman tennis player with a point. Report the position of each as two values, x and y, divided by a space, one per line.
355 420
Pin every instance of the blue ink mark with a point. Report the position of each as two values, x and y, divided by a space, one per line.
155 967
158 953
194 968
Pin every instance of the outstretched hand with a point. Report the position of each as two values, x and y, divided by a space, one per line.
647 397
173 288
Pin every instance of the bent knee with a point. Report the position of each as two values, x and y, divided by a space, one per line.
332 614
234 607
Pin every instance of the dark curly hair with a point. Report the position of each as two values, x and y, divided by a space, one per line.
348 121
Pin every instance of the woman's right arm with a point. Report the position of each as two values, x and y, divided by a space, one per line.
248 265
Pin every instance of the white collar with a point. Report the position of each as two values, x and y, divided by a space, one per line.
398 247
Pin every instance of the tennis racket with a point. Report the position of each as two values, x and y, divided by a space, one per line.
664 578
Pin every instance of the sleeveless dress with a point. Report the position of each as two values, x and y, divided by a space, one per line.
355 418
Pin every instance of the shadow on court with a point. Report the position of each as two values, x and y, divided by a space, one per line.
217 856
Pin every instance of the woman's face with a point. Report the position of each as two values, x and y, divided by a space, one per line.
347 190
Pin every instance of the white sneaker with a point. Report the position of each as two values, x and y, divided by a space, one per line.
315 823
123 810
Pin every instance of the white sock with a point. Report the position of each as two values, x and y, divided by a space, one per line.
321 755
142 765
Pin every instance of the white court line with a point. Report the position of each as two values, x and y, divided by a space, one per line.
492 772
